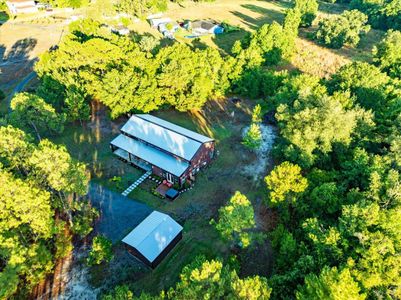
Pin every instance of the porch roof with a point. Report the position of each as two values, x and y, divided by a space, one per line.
151 155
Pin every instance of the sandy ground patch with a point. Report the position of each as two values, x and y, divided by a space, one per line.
258 168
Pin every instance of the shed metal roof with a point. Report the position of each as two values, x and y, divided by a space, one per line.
165 135
151 155
153 235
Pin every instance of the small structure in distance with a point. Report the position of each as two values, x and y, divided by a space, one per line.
120 29
21 6
204 27
153 238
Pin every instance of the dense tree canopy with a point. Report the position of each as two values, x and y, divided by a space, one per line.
32 113
341 234
331 284
341 30
387 54
39 184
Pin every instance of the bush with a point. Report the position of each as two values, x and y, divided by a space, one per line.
253 137
344 29
101 251
308 10
387 54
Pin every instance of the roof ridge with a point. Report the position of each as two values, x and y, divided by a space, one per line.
170 128
153 228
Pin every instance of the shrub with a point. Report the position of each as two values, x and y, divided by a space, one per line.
344 29
101 251
253 137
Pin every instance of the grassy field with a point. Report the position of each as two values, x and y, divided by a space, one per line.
249 15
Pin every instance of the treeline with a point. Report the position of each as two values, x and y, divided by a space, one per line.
125 75
383 14
138 8
41 207
337 189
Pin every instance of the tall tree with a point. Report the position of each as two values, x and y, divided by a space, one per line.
331 284
31 112
387 53
236 219
284 182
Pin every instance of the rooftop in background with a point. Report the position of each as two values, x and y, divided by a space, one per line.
150 154
153 235
175 139
203 24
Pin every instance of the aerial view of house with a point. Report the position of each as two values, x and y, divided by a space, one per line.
200 149
168 150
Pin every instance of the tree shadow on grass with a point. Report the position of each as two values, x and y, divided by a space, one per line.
21 49
255 23
331 8
226 41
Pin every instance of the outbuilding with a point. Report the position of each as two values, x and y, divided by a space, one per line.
21 6
153 238
206 27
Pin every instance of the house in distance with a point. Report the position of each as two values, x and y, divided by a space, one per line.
21 6
167 150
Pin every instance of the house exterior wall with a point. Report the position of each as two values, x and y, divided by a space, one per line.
133 251
201 159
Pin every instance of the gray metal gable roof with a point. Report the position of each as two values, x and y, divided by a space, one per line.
181 130
150 154
153 235
165 135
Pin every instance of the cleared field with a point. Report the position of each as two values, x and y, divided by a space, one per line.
249 15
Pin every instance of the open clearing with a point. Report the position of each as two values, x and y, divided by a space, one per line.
213 187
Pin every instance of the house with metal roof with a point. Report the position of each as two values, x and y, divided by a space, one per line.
168 150
153 238
21 6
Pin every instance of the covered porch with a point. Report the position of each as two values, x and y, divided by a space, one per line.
147 157
125 155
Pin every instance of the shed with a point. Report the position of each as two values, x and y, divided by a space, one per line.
153 238
120 29
21 6
206 27
156 22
